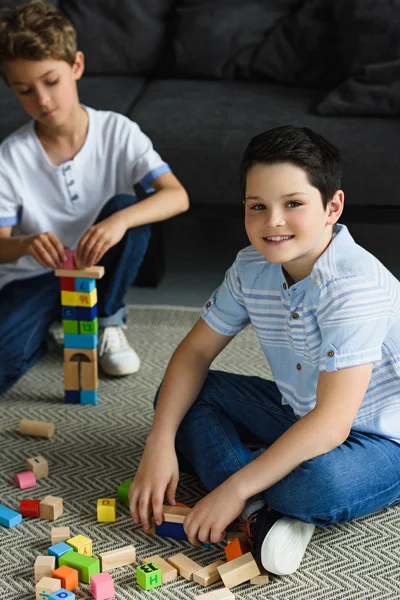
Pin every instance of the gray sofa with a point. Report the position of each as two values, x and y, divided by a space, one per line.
201 77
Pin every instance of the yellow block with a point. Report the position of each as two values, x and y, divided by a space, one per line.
86 298
68 298
106 510
81 544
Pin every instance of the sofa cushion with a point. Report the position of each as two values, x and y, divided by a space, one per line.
120 36
202 128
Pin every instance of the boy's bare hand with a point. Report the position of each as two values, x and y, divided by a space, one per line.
157 476
210 517
46 248
98 239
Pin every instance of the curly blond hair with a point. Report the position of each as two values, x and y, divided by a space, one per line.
36 31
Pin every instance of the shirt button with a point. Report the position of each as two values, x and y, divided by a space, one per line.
71 182
67 168
208 305
330 353
295 316
75 197
284 286
298 366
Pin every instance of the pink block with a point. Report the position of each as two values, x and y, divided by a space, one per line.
102 586
69 263
24 480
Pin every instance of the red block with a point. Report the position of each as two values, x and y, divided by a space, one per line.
67 284
29 508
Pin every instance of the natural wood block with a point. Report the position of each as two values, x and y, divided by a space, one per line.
236 548
68 577
37 428
119 557
209 574
44 566
71 375
39 465
152 529
89 375
238 570
51 507
185 565
175 514
47 586
106 510
81 544
76 354
168 571
95 272
261 579
60 534
222 594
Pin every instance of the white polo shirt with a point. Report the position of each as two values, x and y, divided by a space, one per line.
344 314
37 196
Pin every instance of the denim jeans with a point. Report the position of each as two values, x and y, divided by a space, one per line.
29 306
359 477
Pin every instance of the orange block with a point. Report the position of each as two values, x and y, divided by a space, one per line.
69 577
236 548
181 505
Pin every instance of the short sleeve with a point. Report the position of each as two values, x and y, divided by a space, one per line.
225 311
10 211
354 315
147 163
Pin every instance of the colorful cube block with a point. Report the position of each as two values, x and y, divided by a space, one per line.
51 507
84 284
148 576
106 510
69 312
25 480
86 314
69 264
58 550
68 577
85 565
81 544
62 594
86 299
39 465
69 298
102 586
123 490
171 530
67 284
88 396
81 341
30 508
72 396
86 327
70 326
8 517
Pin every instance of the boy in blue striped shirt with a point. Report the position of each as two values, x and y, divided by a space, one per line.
327 315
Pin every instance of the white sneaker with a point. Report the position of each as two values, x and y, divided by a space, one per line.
116 357
55 336
285 544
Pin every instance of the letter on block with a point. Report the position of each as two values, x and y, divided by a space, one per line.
239 570
25 480
106 510
60 534
39 465
89 326
84 284
148 576
86 299
209 574
46 586
67 576
62 594
8 517
44 566
102 586
85 565
117 558
168 571
185 565
51 507
81 544
30 508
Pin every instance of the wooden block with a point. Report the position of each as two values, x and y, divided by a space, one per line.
37 428
30 508
85 565
8 517
238 570
89 375
123 491
152 529
71 375
84 284
168 571
172 530
261 579
81 544
117 558
185 565
86 299
236 548
106 510
83 313
68 577
25 480
80 354
81 342
39 465
44 566
69 263
102 586
69 313
70 325
222 594
60 534
209 574
86 327
62 594
88 396
67 284
96 272
232 535
46 586
175 514
69 298
72 396
59 550
51 507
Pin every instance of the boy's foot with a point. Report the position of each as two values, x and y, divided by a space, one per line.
278 542
116 357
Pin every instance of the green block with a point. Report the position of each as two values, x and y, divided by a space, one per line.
123 491
70 326
85 565
148 576
88 326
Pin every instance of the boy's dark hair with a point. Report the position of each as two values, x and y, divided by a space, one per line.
36 31
301 146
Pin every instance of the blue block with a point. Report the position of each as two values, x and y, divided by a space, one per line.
172 530
88 396
58 550
62 594
69 313
83 313
72 397
77 340
84 285
9 517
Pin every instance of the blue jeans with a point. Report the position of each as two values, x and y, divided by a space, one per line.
29 306
358 478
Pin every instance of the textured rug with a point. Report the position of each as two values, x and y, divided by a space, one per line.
95 448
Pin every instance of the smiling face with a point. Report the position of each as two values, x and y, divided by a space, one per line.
285 218
46 88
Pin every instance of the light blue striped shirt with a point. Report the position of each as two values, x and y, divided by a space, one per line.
344 314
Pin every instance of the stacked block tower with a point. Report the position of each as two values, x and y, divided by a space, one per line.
79 316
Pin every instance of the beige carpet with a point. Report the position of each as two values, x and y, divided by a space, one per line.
96 448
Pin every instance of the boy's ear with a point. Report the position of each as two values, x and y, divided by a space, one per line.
78 67
335 207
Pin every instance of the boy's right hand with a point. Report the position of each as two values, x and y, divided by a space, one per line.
46 248
157 476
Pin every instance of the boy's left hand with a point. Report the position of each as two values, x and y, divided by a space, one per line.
210 517
98 239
